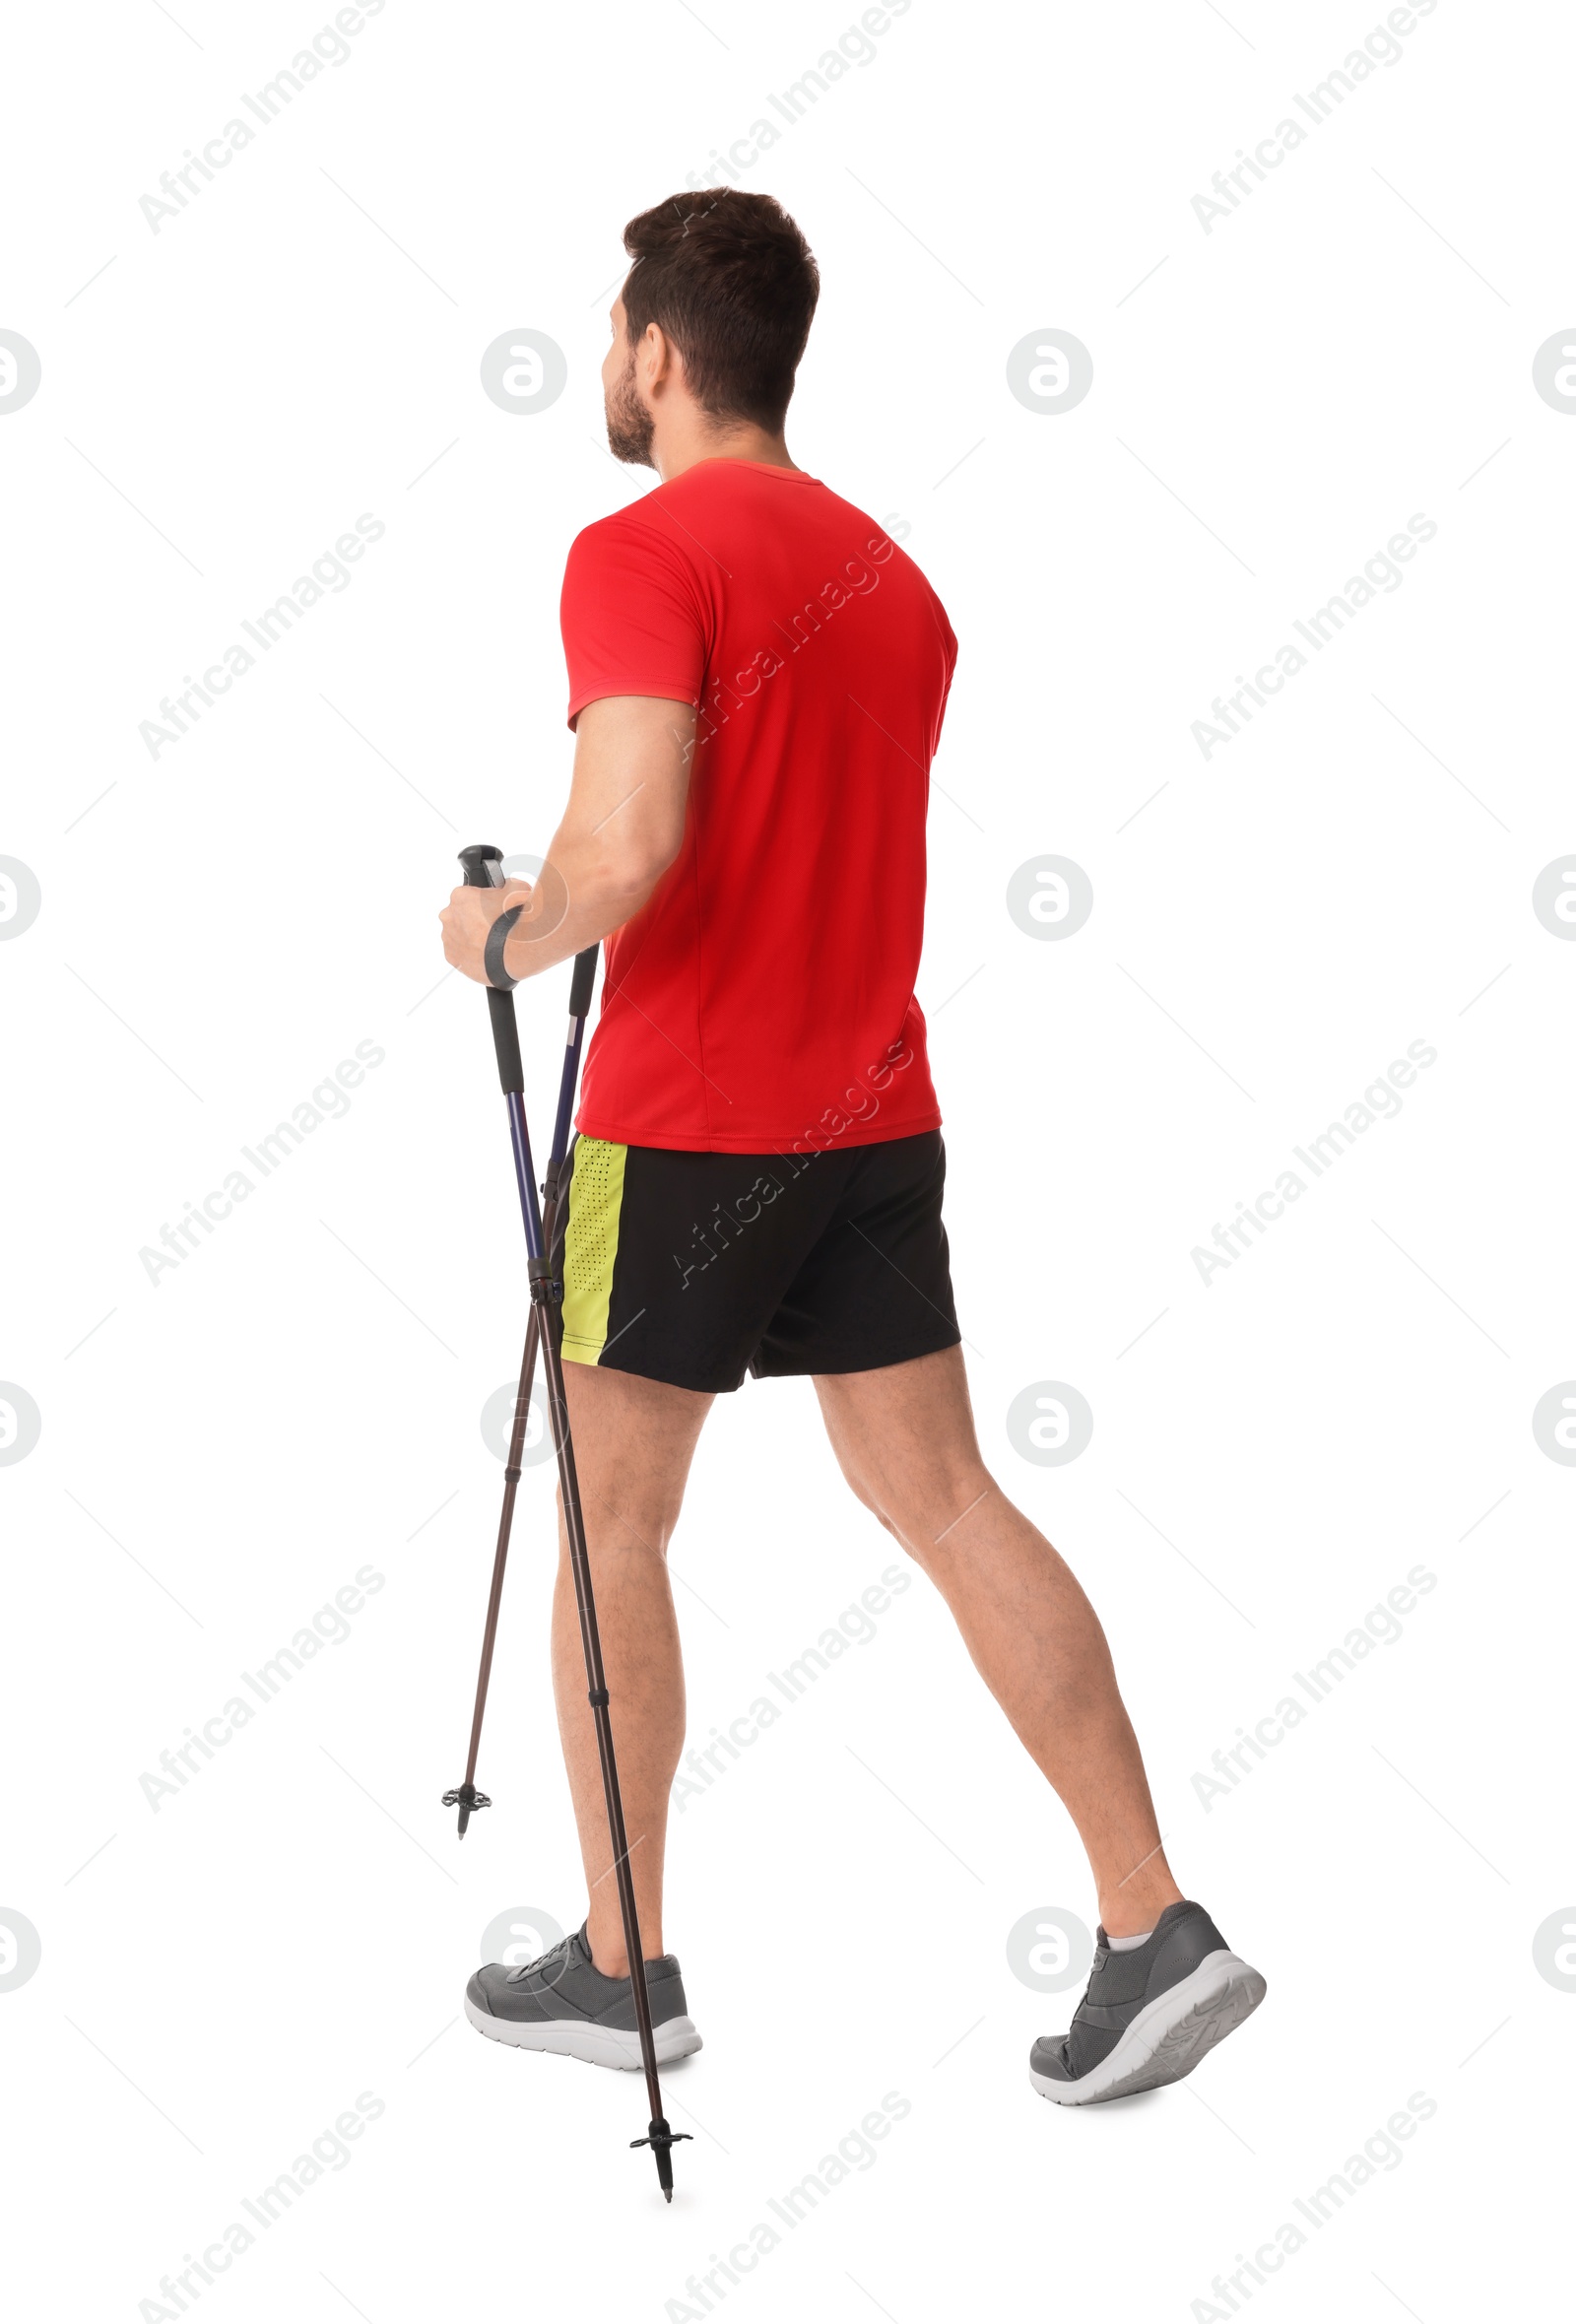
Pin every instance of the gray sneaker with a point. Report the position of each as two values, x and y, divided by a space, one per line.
1148 2015
562 2003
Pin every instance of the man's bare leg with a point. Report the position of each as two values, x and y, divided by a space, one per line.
634 1442
904 1436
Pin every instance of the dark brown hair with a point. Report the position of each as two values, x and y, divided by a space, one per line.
731 280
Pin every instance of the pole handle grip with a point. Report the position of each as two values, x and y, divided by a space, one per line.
580 983
483 866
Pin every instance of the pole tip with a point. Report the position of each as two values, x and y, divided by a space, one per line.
662 2141
468 1800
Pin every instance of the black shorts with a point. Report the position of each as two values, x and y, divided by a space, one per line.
694 1268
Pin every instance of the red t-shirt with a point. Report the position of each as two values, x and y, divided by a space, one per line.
763 999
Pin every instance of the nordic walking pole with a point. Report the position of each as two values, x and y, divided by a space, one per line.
484 869
465 1796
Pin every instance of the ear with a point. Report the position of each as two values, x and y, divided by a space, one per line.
658 360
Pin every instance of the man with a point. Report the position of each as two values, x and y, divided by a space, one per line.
756 682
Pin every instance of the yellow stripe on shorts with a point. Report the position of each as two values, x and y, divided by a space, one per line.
591 1245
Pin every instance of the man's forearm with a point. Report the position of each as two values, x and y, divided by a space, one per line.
579 897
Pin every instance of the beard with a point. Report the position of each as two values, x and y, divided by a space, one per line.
631 427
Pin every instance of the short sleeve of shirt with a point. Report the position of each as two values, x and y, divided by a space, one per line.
631 616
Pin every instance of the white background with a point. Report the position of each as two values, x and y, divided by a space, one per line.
301 1398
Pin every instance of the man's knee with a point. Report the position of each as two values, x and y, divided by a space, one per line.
960 1496
622 1512
885 1518
867 1491
923 1507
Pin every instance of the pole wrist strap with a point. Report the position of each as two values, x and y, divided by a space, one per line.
497 936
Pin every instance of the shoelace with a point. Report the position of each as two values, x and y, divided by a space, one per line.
533 1968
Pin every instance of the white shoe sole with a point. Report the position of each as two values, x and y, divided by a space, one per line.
597 2045
1167 2039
